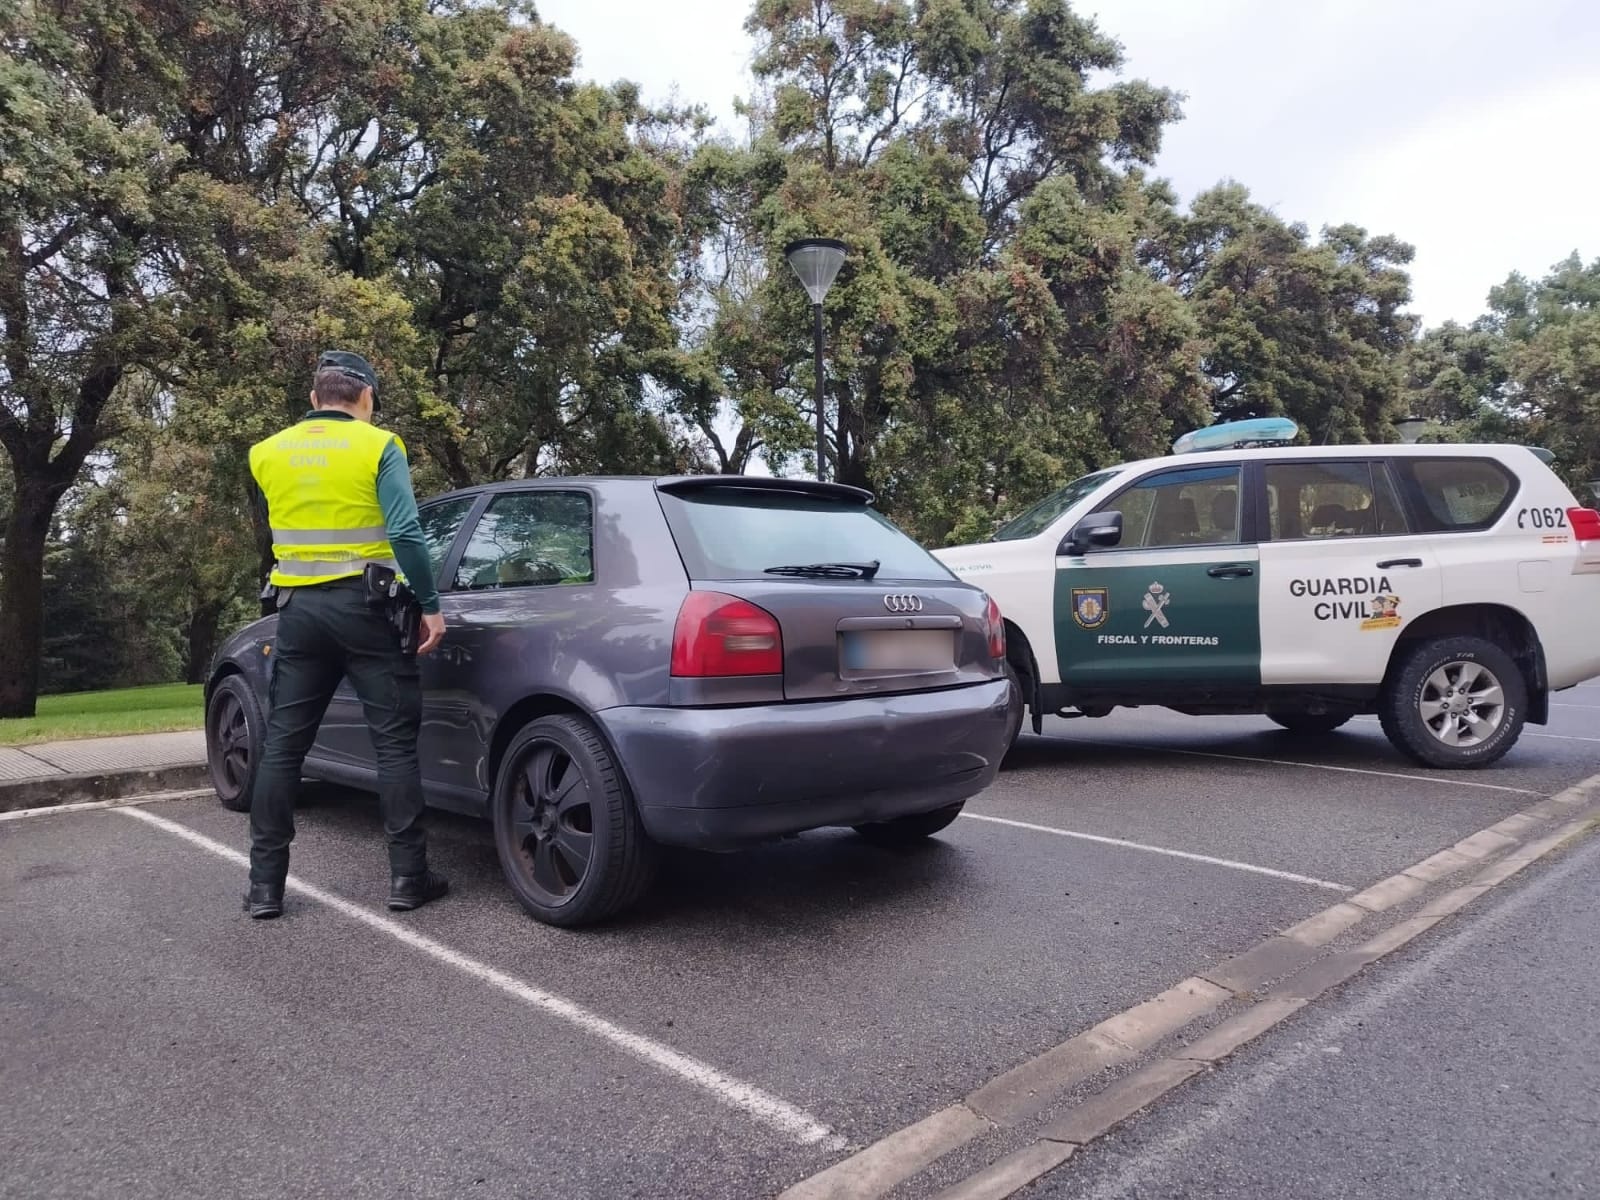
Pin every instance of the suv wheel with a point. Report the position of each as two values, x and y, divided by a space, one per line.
1455 702
907 831
565 826
1308 722
235 733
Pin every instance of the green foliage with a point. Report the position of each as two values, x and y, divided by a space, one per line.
108 714
1527 371
197 197
1311 331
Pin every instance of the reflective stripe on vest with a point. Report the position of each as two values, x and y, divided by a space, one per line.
332 566
320 480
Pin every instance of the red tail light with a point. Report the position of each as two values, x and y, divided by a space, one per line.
719 635
997 630
1585 523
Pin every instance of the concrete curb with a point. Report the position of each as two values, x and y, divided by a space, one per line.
54 790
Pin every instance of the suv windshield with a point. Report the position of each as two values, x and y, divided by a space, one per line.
1045 513
734 534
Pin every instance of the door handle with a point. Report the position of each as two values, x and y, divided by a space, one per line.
1234 571
1399 562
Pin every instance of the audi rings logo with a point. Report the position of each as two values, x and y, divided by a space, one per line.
902 602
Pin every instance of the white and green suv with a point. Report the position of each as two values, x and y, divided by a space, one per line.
1447 588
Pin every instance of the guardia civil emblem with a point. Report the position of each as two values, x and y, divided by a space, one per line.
1090 607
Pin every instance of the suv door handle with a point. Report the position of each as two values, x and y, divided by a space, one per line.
1235 571
1399 562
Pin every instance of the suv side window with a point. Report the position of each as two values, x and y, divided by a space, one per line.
1456 495
440 524
1317 500
531 539
1190 506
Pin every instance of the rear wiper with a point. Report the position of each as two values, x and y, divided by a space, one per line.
838 570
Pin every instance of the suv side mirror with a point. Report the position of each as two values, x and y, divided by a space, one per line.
1097 531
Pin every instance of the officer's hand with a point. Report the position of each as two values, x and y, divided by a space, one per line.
432 632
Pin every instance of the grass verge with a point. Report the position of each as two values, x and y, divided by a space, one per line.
158 709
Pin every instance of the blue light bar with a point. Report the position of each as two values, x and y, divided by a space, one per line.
1231 435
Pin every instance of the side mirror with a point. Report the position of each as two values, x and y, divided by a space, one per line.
1097 531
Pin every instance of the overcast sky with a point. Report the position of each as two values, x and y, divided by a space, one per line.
1469 128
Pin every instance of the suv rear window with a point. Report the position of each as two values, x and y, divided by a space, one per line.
735 534
1452 495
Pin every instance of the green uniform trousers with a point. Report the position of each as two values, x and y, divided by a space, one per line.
325 633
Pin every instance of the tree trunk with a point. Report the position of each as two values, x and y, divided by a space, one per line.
22 602
202 640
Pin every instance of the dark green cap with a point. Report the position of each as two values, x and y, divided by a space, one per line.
352 365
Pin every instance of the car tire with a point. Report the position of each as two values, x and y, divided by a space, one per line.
1431 720
236 732
1021 707
907 831
566 828
1308 723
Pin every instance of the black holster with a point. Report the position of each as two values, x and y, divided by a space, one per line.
397 602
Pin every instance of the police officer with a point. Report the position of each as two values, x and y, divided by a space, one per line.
338 494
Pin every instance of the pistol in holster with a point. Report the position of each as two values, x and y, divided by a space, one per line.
387 593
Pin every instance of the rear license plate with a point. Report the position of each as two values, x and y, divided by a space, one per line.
899 650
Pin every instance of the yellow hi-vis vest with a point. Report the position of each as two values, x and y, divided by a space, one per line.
320 478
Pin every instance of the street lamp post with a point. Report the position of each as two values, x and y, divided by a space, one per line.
817 261
1410 428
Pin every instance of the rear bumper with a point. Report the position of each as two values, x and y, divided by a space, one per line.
722 777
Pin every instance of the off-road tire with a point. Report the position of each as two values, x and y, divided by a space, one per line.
1308 724
908 831
1411 687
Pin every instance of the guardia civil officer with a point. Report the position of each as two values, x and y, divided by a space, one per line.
338 494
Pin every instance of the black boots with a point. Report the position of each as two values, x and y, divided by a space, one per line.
406 892
413 891
264 901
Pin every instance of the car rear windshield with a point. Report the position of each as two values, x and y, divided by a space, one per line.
735 534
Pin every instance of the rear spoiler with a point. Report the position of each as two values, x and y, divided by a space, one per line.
811 489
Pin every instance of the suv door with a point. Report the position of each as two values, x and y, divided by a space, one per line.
1341 571
1174 604
343 736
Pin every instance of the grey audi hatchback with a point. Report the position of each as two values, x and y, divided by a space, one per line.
633 663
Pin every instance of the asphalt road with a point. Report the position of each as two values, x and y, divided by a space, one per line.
762 1009
1466 1070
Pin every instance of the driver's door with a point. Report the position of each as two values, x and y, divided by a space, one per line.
1176 603
343 736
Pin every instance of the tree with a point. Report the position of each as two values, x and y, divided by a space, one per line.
132 225
1527 371
90 201
986 190
1311 331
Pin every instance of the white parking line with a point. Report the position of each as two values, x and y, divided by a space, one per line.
794 1123
1284 762
51 810
1127 845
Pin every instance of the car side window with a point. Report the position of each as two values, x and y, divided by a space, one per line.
440 524
1192 506
531 539
1457 495
1319 500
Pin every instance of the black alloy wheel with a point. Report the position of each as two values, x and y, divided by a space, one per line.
235 734
566 828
